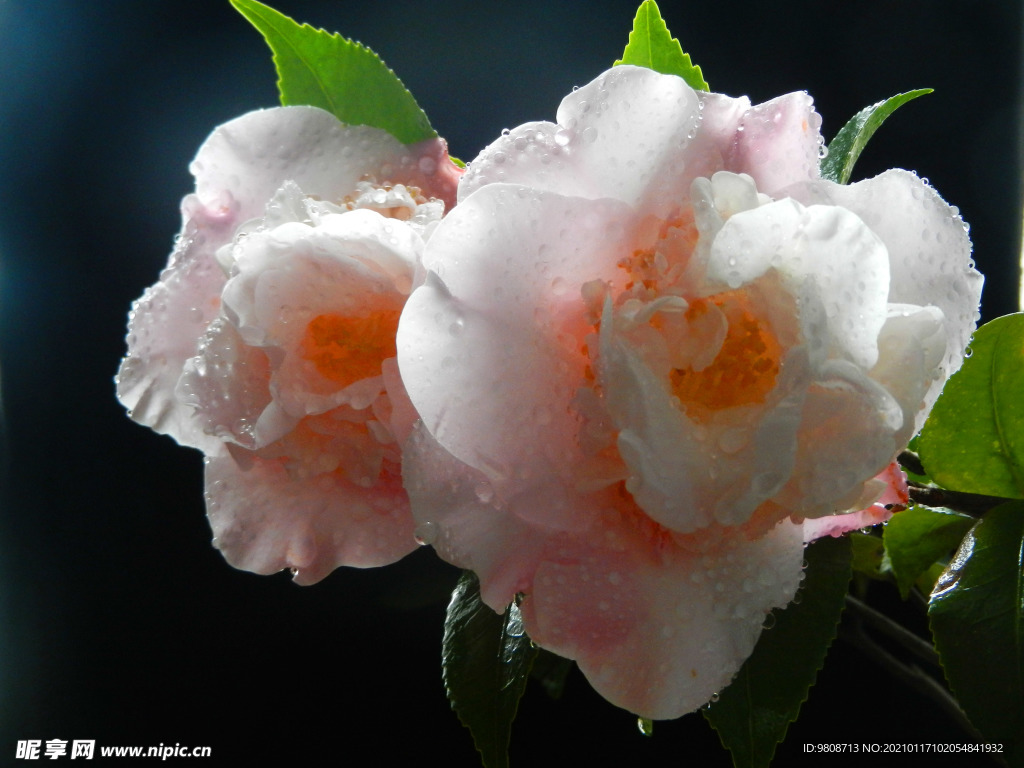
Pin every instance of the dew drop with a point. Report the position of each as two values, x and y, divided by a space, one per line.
484 492
426 533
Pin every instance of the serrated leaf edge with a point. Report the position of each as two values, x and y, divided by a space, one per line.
274 18
468 581
694 77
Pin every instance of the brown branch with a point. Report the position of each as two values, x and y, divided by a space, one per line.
973 504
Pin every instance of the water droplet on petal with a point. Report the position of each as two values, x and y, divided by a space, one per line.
426 533
484 492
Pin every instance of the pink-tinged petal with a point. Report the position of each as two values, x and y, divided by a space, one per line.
227 386
458 512
778 142
890 490
239 168
688 474
634 379
269 342
656 628
623 136
848 434
642 137
490 348
635 119
165 325
297 284
250 157
265 520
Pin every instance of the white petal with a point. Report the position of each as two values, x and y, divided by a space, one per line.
251 156
623 135
827 248
489 347
929 252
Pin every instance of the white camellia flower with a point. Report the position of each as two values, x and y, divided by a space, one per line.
269 341
654 354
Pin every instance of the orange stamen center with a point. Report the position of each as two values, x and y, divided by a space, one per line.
348 349
745 369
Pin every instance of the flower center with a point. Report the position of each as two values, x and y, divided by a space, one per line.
745 369
348 349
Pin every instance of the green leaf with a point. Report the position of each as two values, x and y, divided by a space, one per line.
974 439
868 556
977 619
651 45
341 76
485 660
926 581
917 537
852 137
753 714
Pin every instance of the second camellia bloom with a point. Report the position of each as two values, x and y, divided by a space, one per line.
654 354
269 340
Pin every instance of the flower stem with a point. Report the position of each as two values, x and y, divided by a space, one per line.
879 621
973 504
911 674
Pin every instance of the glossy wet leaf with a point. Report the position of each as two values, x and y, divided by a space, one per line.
917 537
346 78
753 714
485 661
651 45
977 619
854 136
973 440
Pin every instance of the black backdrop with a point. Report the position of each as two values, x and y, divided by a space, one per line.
118 621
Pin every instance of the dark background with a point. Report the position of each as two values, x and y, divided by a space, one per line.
118 621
